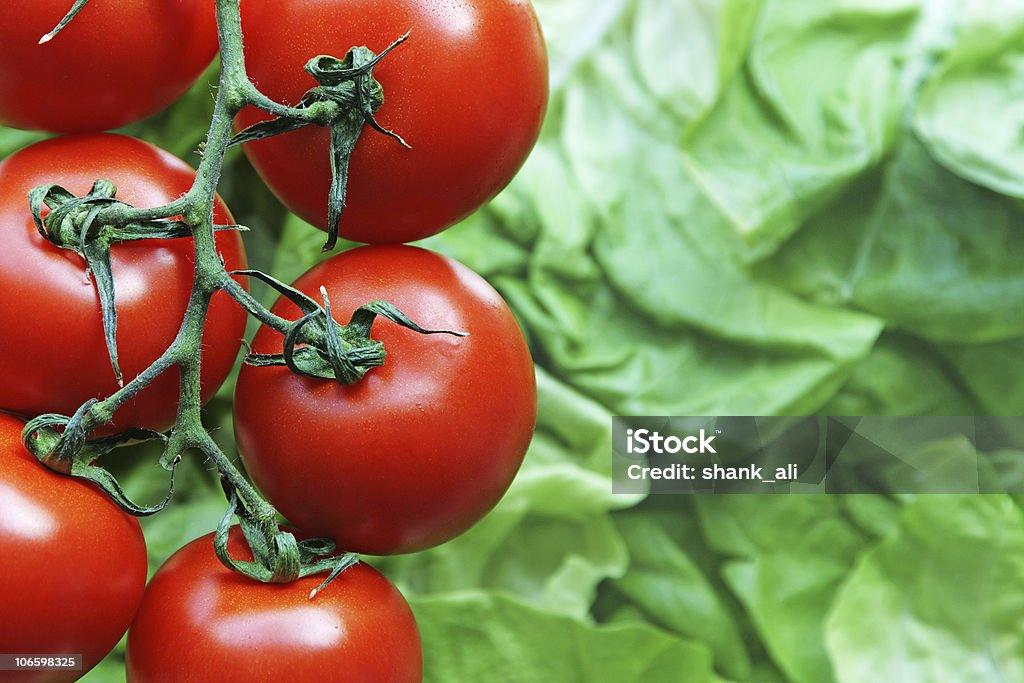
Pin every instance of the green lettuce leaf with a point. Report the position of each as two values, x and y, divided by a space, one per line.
817 102
930 253
971 110
667 587
987 369
482 637
902 376
790 554
942 600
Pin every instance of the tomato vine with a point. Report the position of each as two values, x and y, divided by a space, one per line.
89 225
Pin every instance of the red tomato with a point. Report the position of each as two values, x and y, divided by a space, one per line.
199 622
73 565
51 331
115 63
420 448
468 92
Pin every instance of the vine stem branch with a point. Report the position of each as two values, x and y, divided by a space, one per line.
235 91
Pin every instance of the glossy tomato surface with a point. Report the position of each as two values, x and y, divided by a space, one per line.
73 565
467 91
420 448
200 622
51 330
115 63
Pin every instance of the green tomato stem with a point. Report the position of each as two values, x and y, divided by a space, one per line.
284 559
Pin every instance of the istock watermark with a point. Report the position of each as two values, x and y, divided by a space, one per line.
817 454
643 441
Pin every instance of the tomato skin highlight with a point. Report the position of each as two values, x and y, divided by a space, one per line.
115 63
73 564
419 449
468 91
52 353
200 622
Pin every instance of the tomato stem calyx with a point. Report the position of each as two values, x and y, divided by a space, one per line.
278 557
349 85
81 225
317 346
62 444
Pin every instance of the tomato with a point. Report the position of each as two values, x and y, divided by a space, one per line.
420 448
468 91
199 622
115 63
73 565
51 331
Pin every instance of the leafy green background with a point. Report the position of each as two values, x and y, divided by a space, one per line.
736 207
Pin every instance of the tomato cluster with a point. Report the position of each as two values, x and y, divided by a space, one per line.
407 457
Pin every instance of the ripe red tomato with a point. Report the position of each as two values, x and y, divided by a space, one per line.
468 92
199 622
115 63
420 448
73 565
51 332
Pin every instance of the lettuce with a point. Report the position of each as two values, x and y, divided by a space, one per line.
940 600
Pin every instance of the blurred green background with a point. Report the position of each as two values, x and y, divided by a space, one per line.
750 208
